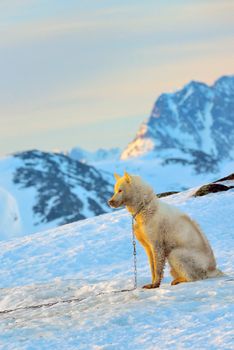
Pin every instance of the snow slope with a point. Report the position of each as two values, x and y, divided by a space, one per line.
76 269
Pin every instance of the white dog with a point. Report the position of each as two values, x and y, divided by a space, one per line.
166 233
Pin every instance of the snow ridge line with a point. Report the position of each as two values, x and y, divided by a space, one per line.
66 301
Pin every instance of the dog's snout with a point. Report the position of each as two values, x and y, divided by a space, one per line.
110 201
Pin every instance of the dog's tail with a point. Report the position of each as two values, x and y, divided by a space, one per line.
215 273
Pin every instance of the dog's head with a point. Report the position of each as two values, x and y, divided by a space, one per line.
122 190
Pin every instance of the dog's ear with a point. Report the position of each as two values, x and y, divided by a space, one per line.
117 177
127 177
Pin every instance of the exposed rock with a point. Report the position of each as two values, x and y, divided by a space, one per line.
165 194
210 188
227 178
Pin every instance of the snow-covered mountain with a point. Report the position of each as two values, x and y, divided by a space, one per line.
88 157
67 288
193 126
49 189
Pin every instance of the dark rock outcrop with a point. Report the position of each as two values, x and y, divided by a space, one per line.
210 188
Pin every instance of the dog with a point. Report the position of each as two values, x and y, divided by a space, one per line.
166 233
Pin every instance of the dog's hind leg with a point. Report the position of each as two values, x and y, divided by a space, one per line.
187 266
177 279
174 273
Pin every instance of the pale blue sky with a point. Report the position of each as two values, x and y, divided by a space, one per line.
88 72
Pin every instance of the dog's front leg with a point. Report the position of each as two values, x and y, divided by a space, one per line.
160 259
150 255
159 263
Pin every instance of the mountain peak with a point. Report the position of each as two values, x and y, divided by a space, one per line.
194 84
225 84
198 119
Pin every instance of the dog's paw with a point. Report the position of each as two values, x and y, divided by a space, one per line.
178 280
151 286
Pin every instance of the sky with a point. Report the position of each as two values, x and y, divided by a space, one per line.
87 73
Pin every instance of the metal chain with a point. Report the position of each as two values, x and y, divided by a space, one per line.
134 254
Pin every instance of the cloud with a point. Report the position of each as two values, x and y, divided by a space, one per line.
136 20
123 92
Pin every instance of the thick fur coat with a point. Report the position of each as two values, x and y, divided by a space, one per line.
166 233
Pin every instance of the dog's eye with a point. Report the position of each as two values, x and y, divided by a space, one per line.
120 191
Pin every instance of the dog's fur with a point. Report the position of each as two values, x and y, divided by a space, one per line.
166 233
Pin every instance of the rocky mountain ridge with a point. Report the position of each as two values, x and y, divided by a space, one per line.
194 125
52 189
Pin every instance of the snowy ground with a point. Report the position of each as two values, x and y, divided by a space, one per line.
74 270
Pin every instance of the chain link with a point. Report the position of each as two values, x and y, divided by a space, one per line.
134 255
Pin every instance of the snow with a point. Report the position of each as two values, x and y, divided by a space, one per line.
189 90
76 269
139 147
208 144
100 154
9 215
24 199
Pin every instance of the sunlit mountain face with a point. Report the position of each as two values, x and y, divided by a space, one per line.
193 126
